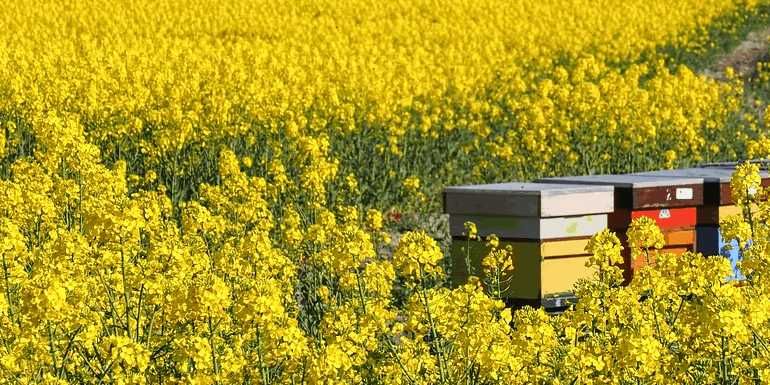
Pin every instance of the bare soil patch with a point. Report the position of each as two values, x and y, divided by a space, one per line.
743 59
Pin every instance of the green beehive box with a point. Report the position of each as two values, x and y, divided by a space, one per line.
546 225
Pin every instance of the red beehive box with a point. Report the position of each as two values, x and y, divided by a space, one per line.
716 188
718 203
671 202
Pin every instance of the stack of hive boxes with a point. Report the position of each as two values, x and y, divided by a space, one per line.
717 204
671 202
547 225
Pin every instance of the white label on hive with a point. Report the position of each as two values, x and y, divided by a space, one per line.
684 193
664 214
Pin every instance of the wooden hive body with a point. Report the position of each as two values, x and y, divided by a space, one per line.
515 228
672 201
718 204
539 272
546 225
716 189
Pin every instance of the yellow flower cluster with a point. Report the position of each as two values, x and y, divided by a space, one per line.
644 236
189 191
351 98
497 267
746 186
418 256
101 282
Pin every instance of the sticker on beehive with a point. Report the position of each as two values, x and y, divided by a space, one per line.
528 200
669 218
529 227
684 193
712 180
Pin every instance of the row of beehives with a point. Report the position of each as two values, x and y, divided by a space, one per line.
549 223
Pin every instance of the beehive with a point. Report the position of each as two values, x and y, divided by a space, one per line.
547 226
671 202
717 204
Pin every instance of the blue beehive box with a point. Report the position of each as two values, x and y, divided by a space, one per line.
710 242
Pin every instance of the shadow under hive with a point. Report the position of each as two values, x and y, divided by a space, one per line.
718 203
547 225
671 202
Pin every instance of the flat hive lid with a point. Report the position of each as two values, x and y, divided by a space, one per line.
764 174
625 180
717 195
644 191
730 168
709 175
528 199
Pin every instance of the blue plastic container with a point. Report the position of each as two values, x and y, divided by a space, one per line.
709 241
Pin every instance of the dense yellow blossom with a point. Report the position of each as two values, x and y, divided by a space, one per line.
320 97
470 230
417 256
193 192
644 236
497 267
605 249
